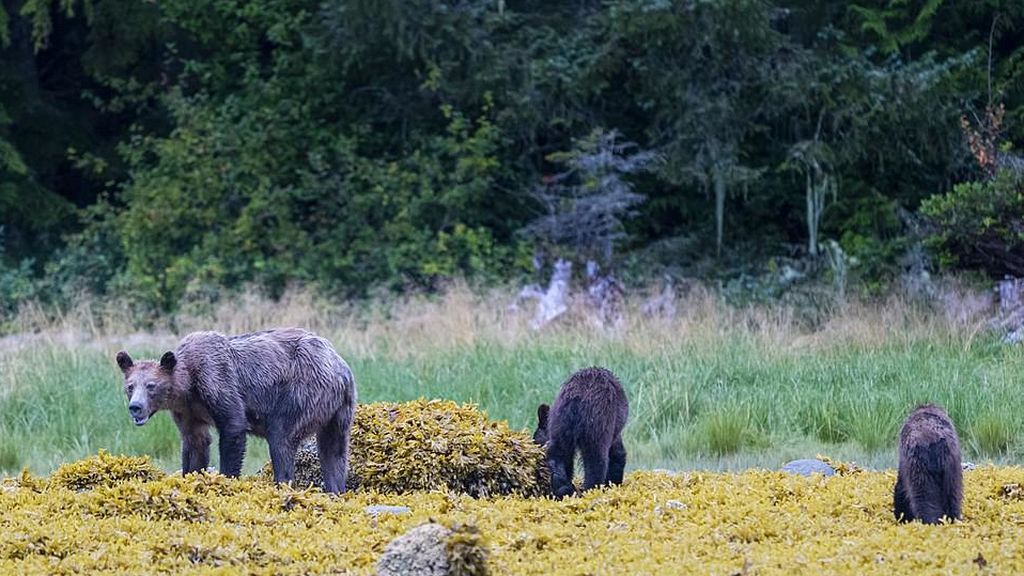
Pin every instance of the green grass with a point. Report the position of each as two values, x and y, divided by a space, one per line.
724 404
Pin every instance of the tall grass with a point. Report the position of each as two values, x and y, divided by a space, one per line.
715 387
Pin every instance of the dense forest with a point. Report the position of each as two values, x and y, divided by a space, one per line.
166 150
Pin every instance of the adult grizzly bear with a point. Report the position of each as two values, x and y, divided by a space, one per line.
588 415
282 385
929 482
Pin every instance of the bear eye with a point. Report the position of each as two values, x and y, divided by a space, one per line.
150 386
129 389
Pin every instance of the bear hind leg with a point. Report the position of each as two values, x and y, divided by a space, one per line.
332 442
927 504
282 453
232 427
595 465
231 446
616 461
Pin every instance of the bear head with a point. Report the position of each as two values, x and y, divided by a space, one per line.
148 385
540 435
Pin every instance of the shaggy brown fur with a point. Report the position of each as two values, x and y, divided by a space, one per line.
282 385
929 482
588 415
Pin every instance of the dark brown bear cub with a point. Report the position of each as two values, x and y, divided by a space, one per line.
588 415
929 482
283 385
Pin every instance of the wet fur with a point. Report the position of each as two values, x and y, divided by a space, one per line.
929 481
588 415
282 385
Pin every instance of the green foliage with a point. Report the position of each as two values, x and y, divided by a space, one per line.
978 226
312 209
705 70
91 260
40 13
359 144
897 24
17 284
872 237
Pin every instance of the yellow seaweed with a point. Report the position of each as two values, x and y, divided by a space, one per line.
431 445
755 522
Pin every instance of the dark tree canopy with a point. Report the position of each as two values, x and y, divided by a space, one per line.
166 150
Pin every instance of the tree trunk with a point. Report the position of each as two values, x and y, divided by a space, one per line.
555 301
819 183
812 227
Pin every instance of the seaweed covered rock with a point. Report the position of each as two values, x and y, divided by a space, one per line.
434 550
421 550
429 445
466 551
104 469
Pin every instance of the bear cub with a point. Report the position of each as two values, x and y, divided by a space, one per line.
282 385
929 481
588 415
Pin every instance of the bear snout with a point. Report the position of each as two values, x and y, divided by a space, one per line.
138 412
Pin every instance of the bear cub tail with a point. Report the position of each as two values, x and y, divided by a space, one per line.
588 415
929 481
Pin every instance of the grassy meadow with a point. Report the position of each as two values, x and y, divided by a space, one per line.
715 387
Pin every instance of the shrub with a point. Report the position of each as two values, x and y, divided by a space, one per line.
429 445
17 286
980 226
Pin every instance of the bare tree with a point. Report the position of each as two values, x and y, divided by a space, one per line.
587 203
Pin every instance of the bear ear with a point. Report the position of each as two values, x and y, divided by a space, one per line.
168 362
124 361
542 415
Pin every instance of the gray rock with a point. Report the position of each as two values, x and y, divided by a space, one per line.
419 551
968 466
669 505
378 509
806 467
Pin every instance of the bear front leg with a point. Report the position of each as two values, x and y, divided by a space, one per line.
195 444
560 462
195 451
